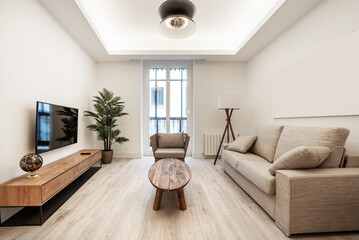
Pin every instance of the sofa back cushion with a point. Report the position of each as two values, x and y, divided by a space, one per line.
333 138
170 140
267 140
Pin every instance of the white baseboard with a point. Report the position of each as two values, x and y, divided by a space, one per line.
202 156
127 155
140 155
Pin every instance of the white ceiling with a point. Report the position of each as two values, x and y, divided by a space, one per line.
230 30
131 26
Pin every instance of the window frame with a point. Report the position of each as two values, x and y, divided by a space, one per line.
146 65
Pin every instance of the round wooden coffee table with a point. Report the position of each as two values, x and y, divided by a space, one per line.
169 175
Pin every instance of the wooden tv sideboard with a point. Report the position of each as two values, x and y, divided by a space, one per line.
54 177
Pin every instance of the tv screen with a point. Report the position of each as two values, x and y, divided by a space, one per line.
56 126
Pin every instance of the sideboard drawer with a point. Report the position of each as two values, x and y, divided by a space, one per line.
83 166
57 184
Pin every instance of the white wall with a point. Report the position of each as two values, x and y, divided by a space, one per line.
124 79
329 21
212 79
38 61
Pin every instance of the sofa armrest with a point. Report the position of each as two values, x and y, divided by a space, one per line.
351 161
317 200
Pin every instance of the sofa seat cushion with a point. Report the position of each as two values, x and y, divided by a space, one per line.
170 153
252 167
233 157
256 170
333 138
266 142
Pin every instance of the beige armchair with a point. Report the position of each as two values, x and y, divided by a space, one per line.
172 145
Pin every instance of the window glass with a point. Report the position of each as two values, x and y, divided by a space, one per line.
161 99
176 99
152 74
152 98
161 74
184 73
175 73
157 100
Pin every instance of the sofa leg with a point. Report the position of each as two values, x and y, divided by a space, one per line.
282 229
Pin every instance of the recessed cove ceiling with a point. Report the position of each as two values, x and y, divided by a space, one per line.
130 27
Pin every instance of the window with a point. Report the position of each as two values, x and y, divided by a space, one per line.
167 104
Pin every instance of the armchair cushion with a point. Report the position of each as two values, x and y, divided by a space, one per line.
300 158
170 153
242 143
170 140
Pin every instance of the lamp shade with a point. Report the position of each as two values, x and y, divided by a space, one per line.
177 19
228 101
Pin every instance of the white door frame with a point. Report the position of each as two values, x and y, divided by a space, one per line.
166 64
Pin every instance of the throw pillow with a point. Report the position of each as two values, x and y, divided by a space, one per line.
300 158
242 144
170 140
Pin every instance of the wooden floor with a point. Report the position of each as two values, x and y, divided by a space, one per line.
116 203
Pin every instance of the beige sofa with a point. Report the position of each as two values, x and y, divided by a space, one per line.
324 199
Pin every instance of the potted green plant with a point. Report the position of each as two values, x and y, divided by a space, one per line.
108 108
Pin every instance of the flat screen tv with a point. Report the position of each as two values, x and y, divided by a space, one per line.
56 126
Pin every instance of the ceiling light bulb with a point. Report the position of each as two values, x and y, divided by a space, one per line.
176 22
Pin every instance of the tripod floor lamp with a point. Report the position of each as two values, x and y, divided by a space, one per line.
228 103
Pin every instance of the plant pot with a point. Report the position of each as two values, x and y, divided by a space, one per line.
107 156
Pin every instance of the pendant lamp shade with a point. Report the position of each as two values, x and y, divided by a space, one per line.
177 19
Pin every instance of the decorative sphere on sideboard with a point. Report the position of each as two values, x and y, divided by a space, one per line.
31 162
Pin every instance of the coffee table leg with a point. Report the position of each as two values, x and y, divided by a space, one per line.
157 203
181 199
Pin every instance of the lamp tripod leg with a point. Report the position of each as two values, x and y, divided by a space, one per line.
230 126
229 115
220 145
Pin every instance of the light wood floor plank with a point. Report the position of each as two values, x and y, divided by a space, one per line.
116 203
190 226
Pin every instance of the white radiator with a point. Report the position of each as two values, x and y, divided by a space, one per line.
212 141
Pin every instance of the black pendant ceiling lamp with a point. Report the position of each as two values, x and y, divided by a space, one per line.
177 18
